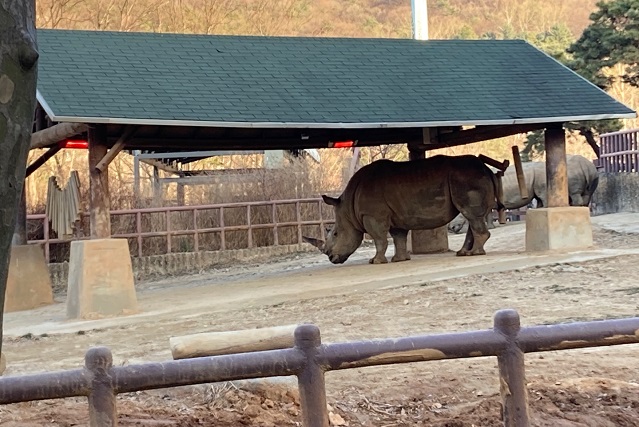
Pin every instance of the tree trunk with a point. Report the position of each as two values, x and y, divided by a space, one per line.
18 74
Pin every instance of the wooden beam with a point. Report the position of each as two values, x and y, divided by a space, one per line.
100 217
55 134
483 133
42 160
162 166
119 145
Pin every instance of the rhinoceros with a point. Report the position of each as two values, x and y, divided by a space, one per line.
583 180
387 196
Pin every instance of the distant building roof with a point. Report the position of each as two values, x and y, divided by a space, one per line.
244 81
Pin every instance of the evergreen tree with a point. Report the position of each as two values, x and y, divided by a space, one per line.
611 39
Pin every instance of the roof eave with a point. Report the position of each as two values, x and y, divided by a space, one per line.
330 125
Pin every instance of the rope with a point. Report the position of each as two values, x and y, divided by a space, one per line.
63 205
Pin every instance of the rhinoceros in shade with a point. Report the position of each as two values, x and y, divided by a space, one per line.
387 196
583 180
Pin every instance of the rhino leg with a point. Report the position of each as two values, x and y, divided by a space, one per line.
400 238
476 237
577 200
468 244
379 232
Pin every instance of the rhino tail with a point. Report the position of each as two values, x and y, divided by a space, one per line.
500 203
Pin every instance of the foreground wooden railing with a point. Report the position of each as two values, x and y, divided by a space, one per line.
310 359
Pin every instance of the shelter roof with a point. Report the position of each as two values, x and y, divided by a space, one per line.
217 81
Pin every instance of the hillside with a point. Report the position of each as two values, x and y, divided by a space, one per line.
369 18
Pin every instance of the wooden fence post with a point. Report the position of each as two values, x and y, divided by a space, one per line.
102 406
311 379
512 376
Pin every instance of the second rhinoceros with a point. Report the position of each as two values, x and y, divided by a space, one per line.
387 196
583 180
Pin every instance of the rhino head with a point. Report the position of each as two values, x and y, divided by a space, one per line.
342 239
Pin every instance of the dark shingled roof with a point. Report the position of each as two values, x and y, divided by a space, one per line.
244 81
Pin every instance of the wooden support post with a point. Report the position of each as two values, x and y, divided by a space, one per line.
117 147
99 185
157 187
42 160
136 181
556 169
180 194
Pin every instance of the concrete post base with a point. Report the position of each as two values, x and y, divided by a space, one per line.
428 241
100 279
28 283
558 228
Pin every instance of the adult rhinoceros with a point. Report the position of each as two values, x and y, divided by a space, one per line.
396 197
583 180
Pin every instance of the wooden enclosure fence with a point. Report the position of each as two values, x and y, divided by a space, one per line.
199 222
309 360
619 152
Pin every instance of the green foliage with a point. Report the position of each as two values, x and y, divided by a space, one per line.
466 33
554 41
611 39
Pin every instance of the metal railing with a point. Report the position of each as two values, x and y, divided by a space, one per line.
193 212
100 381
619 152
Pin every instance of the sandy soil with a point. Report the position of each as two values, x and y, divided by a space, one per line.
430 294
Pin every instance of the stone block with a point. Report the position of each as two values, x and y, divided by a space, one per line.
29 282
100 279
566 228
428 241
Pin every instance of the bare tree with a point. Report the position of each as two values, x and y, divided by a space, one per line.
18 75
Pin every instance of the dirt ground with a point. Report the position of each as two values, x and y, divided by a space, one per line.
429 294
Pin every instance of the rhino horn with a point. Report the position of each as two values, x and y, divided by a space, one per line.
319 244
330 200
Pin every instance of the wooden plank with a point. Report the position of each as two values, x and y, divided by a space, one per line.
502 166
229 342
521 179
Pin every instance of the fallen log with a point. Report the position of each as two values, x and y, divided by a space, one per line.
230 342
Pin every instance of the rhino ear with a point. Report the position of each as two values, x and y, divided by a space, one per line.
319 244
330 200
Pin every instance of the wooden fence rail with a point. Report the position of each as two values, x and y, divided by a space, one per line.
310 359
275 224
619 152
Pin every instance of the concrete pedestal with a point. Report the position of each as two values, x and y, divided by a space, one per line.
428 241
558 228
28 283
100 279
